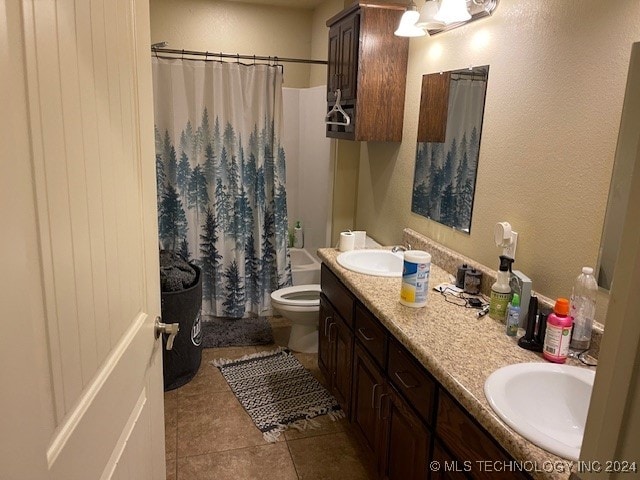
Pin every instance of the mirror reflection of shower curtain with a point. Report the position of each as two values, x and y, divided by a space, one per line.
445 173
221 178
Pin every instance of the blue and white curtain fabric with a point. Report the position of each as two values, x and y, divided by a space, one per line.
221 178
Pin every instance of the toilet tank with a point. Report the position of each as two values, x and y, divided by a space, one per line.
305 269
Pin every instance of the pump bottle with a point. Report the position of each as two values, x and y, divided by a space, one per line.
501 290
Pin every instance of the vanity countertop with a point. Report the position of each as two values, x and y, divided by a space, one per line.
458 348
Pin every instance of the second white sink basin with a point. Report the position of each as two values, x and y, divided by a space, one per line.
381 263
544 402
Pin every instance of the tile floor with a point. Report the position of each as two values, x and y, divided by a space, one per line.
210 436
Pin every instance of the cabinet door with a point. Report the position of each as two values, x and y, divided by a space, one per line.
342 338
333 65
324 345
349 56
368 385
406 440
447 468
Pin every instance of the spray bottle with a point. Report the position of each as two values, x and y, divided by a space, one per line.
501 290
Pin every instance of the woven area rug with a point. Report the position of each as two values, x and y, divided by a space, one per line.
278 392
235 332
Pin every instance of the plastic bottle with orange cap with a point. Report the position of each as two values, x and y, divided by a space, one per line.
558 334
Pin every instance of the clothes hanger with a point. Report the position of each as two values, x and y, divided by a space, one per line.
338 108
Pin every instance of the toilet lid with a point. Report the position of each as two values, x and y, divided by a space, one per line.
298 295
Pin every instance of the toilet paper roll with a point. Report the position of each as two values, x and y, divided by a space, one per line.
347 241
360 239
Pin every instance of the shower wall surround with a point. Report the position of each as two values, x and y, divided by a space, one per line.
309 166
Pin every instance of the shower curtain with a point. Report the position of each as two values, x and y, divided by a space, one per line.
221 178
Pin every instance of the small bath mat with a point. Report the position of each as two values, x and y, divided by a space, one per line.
235 332
277 392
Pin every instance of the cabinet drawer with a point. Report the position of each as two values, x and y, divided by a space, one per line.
412 381
371 335
341 299
468 441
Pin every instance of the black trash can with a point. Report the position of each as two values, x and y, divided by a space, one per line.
182 362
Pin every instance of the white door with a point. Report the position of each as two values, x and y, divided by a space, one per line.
80 371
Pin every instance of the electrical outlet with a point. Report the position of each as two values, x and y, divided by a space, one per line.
510 250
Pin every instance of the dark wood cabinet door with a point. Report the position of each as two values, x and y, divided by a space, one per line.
326 319
368 386
406 440
342 338
333 65
446 467
348 57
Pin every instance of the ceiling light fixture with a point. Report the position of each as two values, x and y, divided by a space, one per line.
438 16
453 11
407 27
427 18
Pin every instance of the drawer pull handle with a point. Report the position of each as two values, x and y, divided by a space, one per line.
373 396
364 335
405 384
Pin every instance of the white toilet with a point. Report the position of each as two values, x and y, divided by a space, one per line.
300 304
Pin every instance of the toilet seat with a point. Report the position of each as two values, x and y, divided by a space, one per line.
298 296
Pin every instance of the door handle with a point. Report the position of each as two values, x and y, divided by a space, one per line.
373 396
327 322
380 416
170 329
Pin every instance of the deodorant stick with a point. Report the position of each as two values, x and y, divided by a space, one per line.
415 278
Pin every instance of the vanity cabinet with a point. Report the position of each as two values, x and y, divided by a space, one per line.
403 417
335 337
368 64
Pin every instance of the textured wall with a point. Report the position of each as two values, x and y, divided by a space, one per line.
556 86
236 28
320 39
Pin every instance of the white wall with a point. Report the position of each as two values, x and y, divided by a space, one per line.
309 168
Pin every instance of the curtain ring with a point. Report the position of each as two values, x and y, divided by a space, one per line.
206 54
238 58
221 56
183 54
254 59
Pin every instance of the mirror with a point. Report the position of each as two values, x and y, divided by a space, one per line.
449 131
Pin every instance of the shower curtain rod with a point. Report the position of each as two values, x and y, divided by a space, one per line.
237 56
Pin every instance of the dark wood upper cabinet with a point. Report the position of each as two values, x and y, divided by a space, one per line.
368 63
434 103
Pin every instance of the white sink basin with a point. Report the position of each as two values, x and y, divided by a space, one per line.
544 402
381 263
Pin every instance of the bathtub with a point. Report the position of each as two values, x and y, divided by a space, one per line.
305 269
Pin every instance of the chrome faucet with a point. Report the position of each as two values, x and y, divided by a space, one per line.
400 248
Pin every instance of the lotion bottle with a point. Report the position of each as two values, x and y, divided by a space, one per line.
298 236
558 333
501 291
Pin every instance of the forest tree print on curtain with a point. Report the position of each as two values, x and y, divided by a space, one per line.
221 186
445 173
